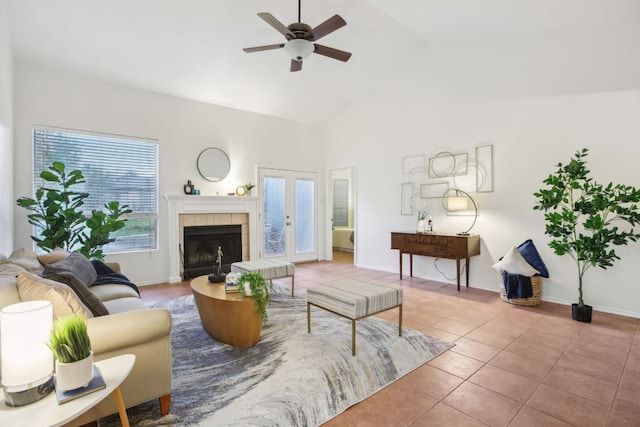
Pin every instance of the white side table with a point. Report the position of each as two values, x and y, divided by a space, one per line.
47 412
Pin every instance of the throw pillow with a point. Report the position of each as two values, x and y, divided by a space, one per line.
77 272
25 258
58 254
514 263
530 254
63 299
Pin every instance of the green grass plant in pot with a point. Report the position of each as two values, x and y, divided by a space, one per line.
254 285
71 348
586 220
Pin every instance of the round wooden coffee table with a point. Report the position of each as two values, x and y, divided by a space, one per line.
227 317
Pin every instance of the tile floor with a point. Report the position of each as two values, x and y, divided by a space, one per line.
511 365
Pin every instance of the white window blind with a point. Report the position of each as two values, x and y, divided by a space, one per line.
115 169
341 202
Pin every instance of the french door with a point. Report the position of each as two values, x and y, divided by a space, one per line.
289 214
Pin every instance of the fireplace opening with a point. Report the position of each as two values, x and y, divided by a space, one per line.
201 245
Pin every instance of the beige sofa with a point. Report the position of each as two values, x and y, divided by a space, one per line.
130 327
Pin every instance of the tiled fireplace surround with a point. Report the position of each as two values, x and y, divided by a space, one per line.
186 211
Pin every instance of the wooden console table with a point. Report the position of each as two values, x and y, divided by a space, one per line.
437 245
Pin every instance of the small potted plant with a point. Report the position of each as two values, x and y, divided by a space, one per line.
586 219
248 186
71 347
254 285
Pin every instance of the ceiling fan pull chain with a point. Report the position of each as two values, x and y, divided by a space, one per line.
299 13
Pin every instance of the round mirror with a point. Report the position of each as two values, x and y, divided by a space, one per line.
213 164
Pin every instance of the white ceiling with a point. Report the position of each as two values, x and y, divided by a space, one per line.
193 48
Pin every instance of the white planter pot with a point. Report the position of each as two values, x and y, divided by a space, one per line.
247 289
70 376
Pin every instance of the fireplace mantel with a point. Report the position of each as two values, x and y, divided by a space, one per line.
207 204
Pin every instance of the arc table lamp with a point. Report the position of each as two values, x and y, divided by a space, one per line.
458 200
27 362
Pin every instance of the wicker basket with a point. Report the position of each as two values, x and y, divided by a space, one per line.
536 286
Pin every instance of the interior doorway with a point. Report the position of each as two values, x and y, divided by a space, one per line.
343 236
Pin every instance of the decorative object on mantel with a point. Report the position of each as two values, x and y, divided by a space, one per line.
188 187
584 219
248 186
241 190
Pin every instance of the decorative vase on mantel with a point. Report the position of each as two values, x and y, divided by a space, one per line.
73 375
421 226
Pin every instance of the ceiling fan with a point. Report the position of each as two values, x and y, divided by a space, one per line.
301 39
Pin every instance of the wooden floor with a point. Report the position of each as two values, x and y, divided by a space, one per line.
511 365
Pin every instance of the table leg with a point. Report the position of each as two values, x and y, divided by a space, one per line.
400 265
468 271
458 272
117 394
410 265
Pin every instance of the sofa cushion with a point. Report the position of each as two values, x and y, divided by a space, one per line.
78 272
58 254
124 305
514 263
26 259
63 299
110 292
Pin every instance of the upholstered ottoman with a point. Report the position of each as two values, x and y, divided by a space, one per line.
355 300
270 269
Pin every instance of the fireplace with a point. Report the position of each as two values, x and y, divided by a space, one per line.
201 245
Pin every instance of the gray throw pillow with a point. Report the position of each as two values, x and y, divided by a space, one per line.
77 272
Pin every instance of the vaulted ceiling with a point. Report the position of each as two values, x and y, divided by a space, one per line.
193 48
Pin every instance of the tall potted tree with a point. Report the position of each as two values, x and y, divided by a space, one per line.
582 217
57 212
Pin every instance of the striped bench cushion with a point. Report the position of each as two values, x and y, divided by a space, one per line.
354 298
270 269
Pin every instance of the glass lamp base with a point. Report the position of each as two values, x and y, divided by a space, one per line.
30 395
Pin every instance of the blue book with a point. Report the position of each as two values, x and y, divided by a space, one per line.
97 383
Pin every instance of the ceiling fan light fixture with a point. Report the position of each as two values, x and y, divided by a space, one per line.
299 49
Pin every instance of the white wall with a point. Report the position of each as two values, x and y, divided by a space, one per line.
6 143
182 128
530 136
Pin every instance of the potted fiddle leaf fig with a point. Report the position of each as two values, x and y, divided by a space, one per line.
57 211
254 284
71 346
586 220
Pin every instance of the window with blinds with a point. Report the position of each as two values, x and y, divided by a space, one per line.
341 202
115 169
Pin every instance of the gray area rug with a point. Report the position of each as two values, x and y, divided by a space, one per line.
290 378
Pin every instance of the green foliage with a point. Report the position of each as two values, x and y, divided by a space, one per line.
248 186
582 216
259 291
69 339
57 212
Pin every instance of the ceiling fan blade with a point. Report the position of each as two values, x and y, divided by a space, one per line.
327 27
261 48
340 55
279 26
296 65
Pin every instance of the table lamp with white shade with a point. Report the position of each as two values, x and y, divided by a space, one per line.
458 200
27 362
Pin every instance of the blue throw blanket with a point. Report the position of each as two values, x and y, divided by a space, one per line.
517 285
106 276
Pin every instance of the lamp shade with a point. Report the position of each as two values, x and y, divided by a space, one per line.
457 203
24 331
299 49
